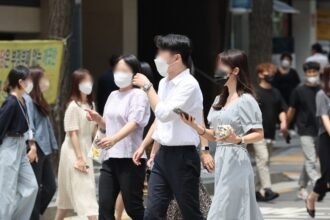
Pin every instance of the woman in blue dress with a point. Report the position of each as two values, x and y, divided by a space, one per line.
235 120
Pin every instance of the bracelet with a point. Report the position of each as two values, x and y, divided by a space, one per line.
204 131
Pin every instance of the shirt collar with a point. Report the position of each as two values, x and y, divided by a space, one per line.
180 77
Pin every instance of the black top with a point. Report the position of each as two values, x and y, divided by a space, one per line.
303 101
12 120
286 83
106 85
271 105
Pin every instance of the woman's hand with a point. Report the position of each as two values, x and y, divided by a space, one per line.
106 142
189 121
231 138
137 156
81 165
93 116
33 153
207 161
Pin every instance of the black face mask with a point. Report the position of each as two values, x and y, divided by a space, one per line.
269 79
221 75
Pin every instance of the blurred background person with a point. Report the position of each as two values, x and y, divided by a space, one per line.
76 181
126 113
302 105
273 110
318 56
19 187
322 185
286 78
105 85
42 143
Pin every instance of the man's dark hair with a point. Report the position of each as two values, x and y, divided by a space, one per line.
176 43
317 48
286 55
311 66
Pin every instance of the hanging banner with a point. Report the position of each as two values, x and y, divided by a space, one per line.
45 53
323 24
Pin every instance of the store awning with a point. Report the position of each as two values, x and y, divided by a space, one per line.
283 7
245 6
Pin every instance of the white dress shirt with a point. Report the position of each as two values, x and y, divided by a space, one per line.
182 92
319 58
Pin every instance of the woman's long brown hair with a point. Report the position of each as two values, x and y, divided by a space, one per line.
37 96
235 58
77 77
325 83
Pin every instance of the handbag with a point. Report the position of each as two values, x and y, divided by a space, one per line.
95 151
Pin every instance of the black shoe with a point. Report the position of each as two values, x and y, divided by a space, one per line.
259 197
270 195
311 212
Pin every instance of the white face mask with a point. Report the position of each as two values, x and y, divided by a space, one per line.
162 66
29 87
285 63
313 79
123 79
86 87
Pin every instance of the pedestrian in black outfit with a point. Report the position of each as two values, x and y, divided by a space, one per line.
105 85
42 141
322 185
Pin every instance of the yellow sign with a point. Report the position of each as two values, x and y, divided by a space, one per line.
45 53
323 24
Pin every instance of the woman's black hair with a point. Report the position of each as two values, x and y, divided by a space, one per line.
235 58
131 61
286 55
147 71
176 43
311 66
17 73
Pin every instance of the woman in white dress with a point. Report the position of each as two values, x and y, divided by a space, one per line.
235 120
76 181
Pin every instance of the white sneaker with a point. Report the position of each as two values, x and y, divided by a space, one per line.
302 194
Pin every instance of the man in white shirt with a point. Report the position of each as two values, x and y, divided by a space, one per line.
176 169
318 56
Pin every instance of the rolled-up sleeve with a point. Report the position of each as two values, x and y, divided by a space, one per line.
164 109
139 110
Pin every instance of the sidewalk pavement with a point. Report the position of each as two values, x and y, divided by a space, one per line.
286 164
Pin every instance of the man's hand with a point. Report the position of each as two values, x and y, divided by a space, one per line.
139 80
207 161
284 128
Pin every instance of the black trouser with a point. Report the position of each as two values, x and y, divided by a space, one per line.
121 175
321 185
46 181
176 171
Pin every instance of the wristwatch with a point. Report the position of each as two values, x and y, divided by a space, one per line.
205 148
147 86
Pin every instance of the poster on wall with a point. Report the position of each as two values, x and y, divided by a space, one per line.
323 24
45 53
